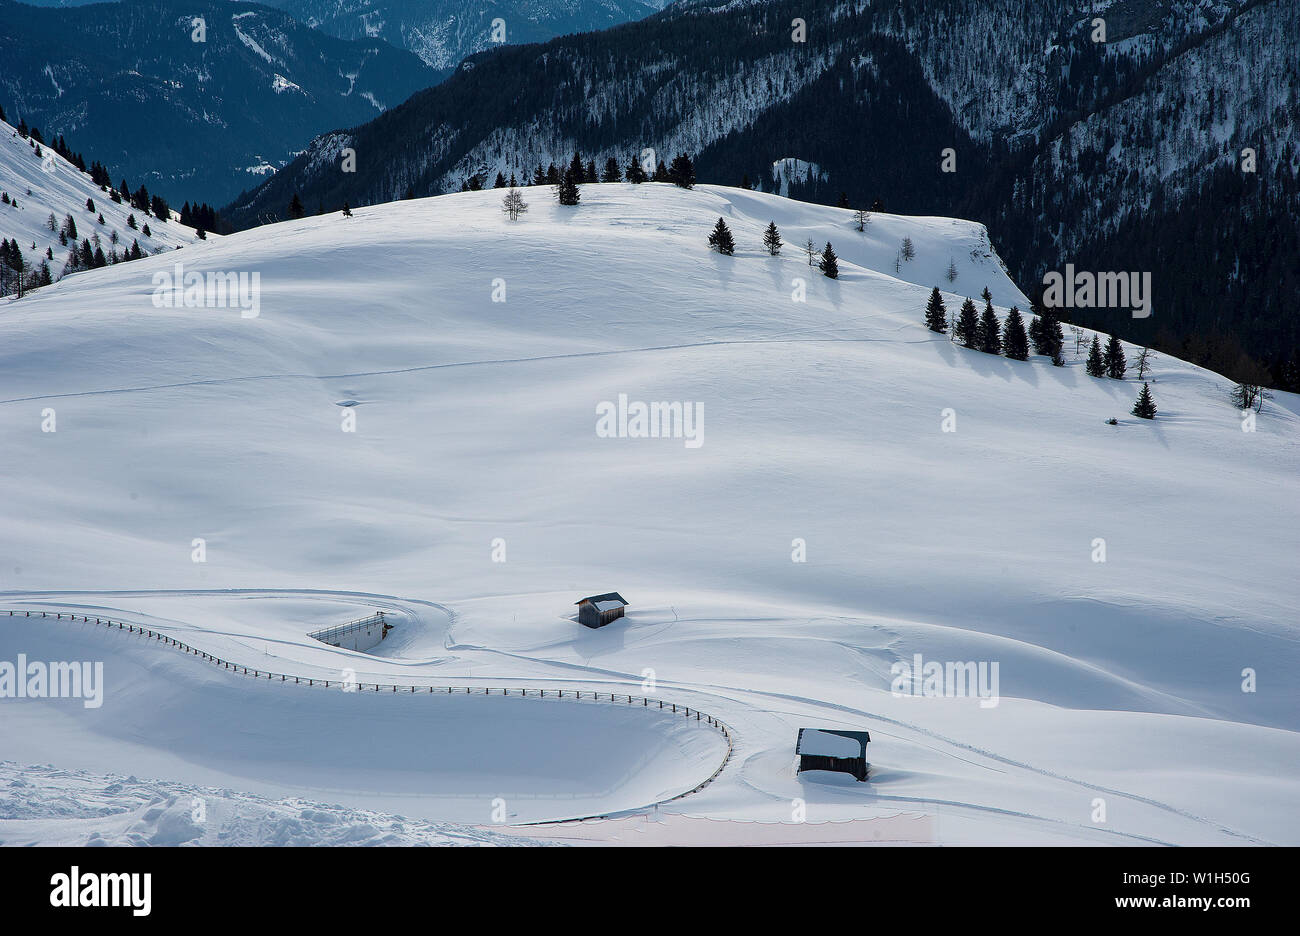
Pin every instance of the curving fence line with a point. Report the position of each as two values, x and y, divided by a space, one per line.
412 689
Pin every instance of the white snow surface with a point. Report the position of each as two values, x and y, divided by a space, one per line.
1120 681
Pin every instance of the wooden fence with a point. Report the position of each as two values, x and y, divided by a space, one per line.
411 688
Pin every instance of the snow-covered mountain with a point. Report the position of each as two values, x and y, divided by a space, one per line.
221 104
1111 155
412 422
444 32
47 185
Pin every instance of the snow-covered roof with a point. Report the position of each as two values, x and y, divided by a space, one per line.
820 743
606 602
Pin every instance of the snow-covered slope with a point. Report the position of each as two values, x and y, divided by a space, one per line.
386 435
49 184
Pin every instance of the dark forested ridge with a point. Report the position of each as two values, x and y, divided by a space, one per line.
1120 155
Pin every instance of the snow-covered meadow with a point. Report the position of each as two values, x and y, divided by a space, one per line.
410 424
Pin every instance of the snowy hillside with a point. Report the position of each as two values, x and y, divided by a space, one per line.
411 422
49 184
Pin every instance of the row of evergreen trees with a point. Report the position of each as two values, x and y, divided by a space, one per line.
984 332
680 172
720 239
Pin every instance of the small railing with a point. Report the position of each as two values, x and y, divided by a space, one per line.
349 684
331 634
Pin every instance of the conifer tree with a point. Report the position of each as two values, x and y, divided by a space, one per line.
989 332
635 172
968 323
772 239
1145 407
936 315
682 172
1096 367
1015 344
295 207
500 181
1114 358
720 239
612 172
830 263
567 192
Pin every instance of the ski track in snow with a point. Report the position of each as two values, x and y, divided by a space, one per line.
418 368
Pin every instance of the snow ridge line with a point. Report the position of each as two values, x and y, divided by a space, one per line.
242 670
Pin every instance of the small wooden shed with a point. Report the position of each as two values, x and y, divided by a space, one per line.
599 610
841 751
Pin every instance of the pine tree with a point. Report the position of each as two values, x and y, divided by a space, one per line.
539 175
830 263
612 173
772 239
862 218
500 181
909 251
1145 407
1015 344
682 172
577 168
968 324
936 314
952 271
148 233
635 172
589 174
90 205
1096 366
295 207
744 181
661 173
567 192
1053 339
989 332
720 240
347 210
1115 362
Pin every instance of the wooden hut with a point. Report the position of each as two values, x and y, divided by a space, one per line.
841 751
599 610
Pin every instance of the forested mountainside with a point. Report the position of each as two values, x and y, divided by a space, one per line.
207 111
443 32
1071 150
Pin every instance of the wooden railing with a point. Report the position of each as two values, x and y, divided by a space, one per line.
348 684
